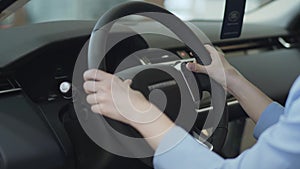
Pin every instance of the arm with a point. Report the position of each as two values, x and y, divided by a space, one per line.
278 146
102 89
253 101
108 95
269 117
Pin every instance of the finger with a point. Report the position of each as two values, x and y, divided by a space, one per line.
195 67
96 108
92 99
95 74
212 51
92 86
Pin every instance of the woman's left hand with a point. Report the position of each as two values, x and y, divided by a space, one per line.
108 95
113 98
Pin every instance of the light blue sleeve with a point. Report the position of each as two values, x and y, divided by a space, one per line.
278 146
269 117
179 150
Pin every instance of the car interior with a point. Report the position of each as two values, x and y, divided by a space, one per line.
39 126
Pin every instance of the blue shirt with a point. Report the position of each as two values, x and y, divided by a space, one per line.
278 145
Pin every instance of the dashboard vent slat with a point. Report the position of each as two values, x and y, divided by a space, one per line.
250 46
6 86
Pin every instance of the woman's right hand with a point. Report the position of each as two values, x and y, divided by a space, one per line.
249 96
219 69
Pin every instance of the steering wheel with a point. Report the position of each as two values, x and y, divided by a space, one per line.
103 131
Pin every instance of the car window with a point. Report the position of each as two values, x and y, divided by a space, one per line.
36 11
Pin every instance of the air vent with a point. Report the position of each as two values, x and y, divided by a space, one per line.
247 46
7 86
253 46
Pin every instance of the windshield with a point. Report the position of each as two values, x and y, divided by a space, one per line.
36 11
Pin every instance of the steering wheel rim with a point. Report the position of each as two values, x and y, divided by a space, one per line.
96 49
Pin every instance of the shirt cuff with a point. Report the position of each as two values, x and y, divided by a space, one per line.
268 117
180 150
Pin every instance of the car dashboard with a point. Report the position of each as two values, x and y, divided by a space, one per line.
37 122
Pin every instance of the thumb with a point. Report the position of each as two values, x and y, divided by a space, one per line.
128 82
195 67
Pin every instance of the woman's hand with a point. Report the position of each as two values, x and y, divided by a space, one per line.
110 96
219 69
249 96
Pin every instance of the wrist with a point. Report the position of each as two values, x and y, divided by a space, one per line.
234 80
153 112
156 127
154 131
